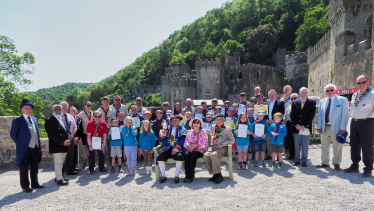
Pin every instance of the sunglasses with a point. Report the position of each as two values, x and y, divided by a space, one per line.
138 100
89 105
364 82
97 116
295 98
117 100
331 90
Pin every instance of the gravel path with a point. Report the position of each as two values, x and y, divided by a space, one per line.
294 188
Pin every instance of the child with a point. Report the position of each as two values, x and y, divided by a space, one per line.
227 106
200 111
130 143
188 116
260 142
157 125
209 118
168 116
242 143
147 141
251 120
277 131
233 119
236 107
115 149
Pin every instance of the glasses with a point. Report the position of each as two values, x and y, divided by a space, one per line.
89 105
295 98
117 100
138 100
97 116
364 82
331 90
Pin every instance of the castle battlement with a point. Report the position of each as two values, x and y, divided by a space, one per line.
322 45
207 63
358 53
296 58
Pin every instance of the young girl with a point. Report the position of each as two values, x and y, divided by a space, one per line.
147 141
130 143
242 143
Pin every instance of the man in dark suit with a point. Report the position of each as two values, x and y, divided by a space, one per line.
59 141
274 106
302 114
25 132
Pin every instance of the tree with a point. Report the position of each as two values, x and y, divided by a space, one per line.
233 46
190 58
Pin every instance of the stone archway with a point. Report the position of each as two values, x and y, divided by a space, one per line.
369 20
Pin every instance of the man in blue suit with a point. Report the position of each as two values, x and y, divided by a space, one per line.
25 132
332 120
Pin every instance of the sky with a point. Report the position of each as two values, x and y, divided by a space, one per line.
89 40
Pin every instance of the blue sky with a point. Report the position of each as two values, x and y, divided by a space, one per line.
87 41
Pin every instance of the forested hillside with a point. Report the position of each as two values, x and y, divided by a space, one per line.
59 92
255 28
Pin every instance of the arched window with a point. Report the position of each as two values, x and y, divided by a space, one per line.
258 74
230 76
240 75
174 92
245 89
179 92
200 82
216 80
369 21
207 91
296 70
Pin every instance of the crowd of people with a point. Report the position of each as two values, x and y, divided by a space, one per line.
255 128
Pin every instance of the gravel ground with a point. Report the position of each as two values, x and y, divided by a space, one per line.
293 188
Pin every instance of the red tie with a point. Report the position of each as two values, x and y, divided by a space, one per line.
327 120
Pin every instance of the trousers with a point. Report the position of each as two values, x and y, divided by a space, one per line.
362 139
327 138
31 159
91 159
212 159
301 144
58 159
190 159
131 153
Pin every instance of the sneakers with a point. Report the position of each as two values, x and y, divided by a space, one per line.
280 166
240 166
234 160
120 170
244 166
149 170
274 165
132 172
128 173
112 171
255 164
263 164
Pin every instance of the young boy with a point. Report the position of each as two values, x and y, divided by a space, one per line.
233 120
251 120
157 125
260 142
189 117
209 118
116 148
168 116
277 131
227 106
236 107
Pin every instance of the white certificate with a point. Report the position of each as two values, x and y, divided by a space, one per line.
241 109
116 135
207 126
211 111
259 129
228 119
96 142
136 121
223 111
242 130
200 116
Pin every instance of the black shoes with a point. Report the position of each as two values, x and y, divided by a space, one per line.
163 180
62 182
219 179
66 179
112 171
337 167
213 178
268 157
351 170
103 170
176 180
92 172
296 163
27 190
322 165
72 173
186 180
303 164
366 174
38 186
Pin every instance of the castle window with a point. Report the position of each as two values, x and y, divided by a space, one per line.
235 89
245 89
216 80
200 82
296 70
258 74
207 91
240 75
174 92
369 21
179 92
230 76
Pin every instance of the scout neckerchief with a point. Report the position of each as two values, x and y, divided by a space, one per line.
145 134
140 109
106 113
217 131
252 119
128 132
361 96
257 121
288 98
97 127
88 116
276 129
117 107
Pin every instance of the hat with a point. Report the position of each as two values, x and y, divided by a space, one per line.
218 115
261 113
209 114
242 94
342 137
114 120
192 120
26 102
177 117
168 112
148 112
231 109
257 87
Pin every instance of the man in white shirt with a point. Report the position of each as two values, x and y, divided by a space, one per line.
140 110
118 106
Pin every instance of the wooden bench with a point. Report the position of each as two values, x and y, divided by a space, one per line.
157 149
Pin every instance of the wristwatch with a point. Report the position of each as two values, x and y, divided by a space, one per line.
89 145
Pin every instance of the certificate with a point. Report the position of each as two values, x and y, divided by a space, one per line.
183 122
116 135
211 111
228 119
241 109
231 124
96 142
259 129
136 121
242 130
223 111
207 126
200 116
261 108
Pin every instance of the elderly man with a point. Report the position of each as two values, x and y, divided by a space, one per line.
70 124
332 119
73 111
173 139
118 106
221 138
289 143
302 114
189 106
107 115
25 132
165 108
59 140
98 129
274 106
140 110
85 116
204 105
362 124
287 90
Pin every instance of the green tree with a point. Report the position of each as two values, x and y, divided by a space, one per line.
233 46
190 58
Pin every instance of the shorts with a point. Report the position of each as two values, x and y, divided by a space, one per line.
243 148
277 148
116 151
260 146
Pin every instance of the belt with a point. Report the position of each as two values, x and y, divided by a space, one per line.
361 119
328 125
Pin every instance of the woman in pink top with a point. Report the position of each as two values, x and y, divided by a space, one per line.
196 145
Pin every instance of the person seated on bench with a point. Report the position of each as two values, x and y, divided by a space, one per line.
221 138
173 147
196 145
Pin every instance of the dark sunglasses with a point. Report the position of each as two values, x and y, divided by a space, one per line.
364 82
295 98
138 100
331 90
89 105
117 100
97 116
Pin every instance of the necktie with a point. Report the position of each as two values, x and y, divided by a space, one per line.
30 120
327 119
67 125
302 105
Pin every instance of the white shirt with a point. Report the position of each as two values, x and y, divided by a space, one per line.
365 107
327 104
271 106
33 123
61 122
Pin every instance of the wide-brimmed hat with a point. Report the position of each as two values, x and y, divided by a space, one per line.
177 117
192 120
26 102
